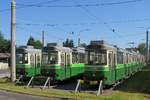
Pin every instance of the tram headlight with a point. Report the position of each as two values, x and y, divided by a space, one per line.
94 75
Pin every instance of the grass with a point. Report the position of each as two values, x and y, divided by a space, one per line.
135 88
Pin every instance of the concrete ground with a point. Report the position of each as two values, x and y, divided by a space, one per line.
16 96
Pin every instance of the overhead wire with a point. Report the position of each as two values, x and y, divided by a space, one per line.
20 6
42 4
95 17
58 26
87 5
34 32
106 24
22 22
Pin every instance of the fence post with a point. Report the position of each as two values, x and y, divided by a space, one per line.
77 86
100 89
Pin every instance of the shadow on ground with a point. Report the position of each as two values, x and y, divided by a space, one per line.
138 83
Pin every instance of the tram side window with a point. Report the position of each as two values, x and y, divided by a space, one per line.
74 58
68 59
45 58
119 58
125 59
25 60
128 59
32 60
38 59
91 58
114 62
62 59
81 58
97 58
86 58
110 59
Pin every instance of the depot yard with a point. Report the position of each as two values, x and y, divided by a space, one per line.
135 88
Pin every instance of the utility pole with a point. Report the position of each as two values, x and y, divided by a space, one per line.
147 45
13 41
43 34
79 39
147 50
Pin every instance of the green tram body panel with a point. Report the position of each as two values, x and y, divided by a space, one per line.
110 76
62 72
120 71
28 70
99 73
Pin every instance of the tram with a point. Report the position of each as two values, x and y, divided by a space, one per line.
109 63
61 63
28 61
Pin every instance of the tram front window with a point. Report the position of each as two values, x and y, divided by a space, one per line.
98 58
53 57
19 58
25 58
44 58
22 58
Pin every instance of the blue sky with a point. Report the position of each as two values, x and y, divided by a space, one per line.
58 22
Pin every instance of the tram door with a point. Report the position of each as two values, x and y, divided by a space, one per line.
35 63
111 65
67 65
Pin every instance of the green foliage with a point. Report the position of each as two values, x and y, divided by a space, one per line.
83 45
142 48
31 41
4 44
68 43
36 43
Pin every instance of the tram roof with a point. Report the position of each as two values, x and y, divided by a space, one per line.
58 48
79 49
101 44
28 49
102 47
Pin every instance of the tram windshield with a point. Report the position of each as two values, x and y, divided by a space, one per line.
53 57
22 58
50 58
97 58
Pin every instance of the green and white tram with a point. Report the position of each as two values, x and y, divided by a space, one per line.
101 62
28 61
61 62
109 63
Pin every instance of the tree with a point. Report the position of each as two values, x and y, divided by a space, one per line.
38 44
35 43
142 48
68 43
31 41
4 44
